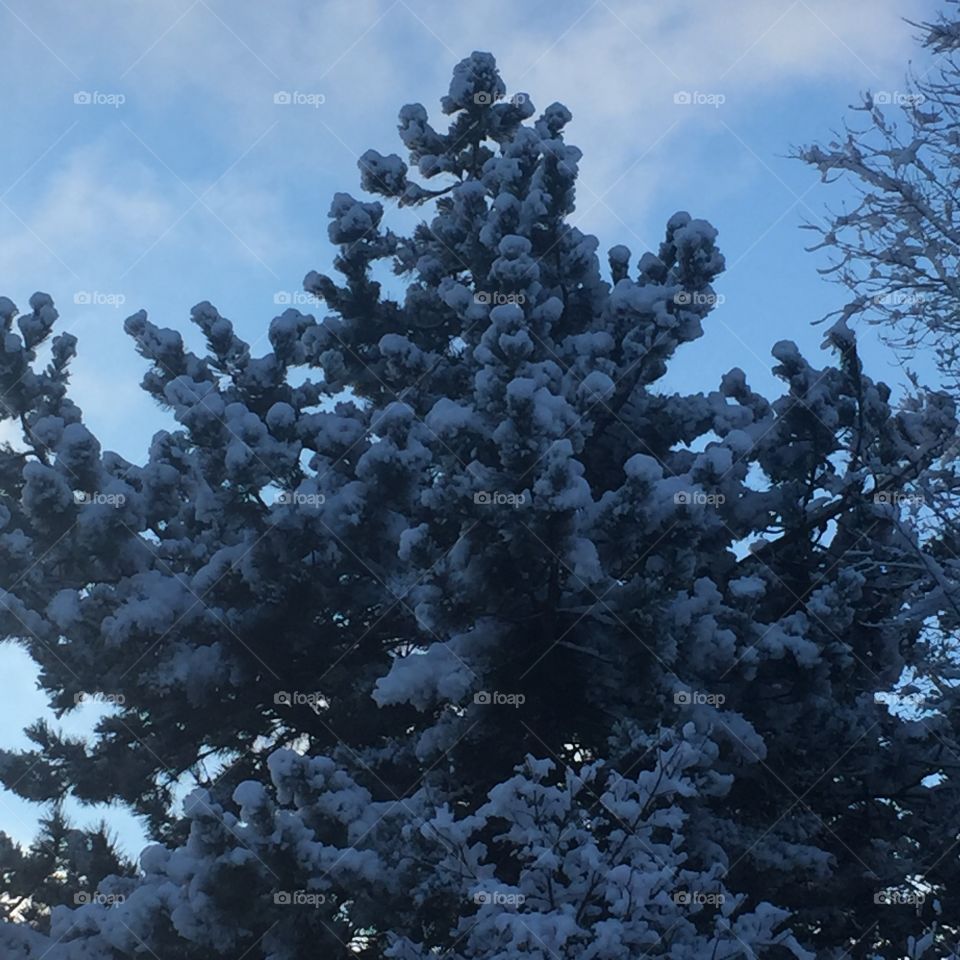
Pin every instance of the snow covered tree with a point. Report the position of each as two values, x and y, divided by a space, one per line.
474 642
898 248
897 251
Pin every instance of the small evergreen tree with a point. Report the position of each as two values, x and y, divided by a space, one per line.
63 867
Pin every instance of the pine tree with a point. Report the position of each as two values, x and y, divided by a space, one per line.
63 867
480 644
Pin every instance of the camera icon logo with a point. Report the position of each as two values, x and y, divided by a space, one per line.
682 97
282 97
83 97
482 697
283 898
282 697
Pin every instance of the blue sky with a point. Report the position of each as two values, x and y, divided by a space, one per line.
146 164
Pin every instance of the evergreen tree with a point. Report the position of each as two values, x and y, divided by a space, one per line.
497 649
63 867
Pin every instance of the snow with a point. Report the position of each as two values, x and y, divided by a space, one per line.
447 417
643 467
597 387
747 587
421 679
384 175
